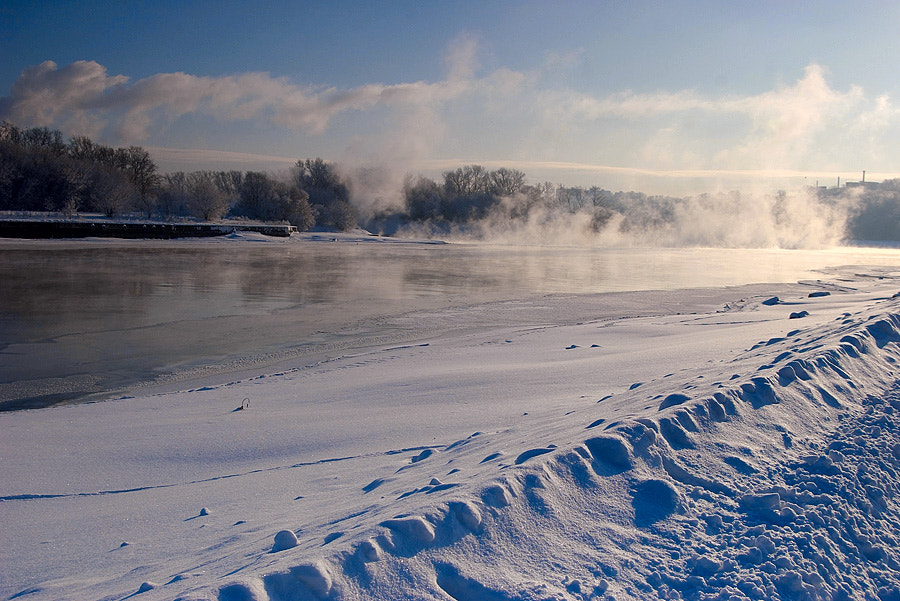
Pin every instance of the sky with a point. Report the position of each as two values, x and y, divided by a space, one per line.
673 97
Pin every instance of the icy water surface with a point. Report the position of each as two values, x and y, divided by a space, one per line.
82 318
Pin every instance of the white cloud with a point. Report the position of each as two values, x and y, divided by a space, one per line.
47 95
461 59
82 93
802 125
807 125
788 122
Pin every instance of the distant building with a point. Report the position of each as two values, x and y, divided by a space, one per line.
860 184
863 183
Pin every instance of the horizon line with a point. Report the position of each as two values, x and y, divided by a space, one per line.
168 155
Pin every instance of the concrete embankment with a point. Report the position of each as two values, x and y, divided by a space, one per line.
23 228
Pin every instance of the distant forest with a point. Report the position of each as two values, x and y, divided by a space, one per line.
40 171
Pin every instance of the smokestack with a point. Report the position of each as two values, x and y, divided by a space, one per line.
864 176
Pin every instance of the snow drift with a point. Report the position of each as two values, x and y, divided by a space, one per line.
776 483
730 454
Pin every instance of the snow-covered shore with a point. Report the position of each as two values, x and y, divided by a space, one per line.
700 444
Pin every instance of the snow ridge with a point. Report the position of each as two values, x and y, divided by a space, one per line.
780 482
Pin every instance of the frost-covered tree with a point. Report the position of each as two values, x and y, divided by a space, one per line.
327 192
141 171
266 199
506 182
110 192
206 199
424 198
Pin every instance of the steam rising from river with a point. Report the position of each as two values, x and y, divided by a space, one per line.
726 220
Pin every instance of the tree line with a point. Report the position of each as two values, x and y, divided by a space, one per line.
475 199
40 171
471 194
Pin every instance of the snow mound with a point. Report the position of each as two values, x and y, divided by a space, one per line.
284 539
781 483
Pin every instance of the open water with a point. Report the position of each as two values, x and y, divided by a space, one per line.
83 319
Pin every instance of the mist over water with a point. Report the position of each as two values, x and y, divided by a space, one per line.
796 220
89 317
731 220
555 215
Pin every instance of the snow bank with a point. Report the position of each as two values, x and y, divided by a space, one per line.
778 483
738 454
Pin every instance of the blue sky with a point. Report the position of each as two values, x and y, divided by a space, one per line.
673 97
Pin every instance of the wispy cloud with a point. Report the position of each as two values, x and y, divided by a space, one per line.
176 159
808 122
806 125
83 98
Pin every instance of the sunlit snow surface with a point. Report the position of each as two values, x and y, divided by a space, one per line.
698 444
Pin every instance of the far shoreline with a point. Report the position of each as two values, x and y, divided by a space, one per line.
48 228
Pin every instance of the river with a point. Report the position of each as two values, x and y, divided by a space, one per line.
85 319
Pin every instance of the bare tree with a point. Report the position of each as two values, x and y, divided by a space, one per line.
506 182
42 138
269 200
467 182
173 194
207 201
229 182
110 191
141 171
423 199
82 148
329 195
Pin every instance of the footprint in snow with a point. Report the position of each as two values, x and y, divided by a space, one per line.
422 456
491 457
332 537
522 458
373 485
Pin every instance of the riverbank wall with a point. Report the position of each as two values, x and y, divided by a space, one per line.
38 229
